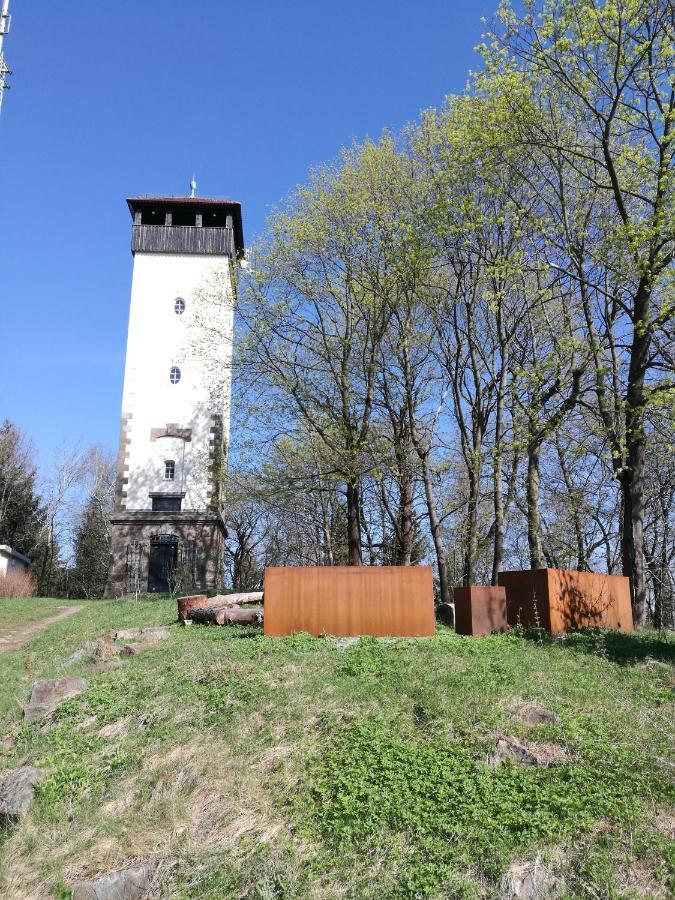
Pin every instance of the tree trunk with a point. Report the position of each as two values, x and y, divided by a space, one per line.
435 527
582 555
632 537
406 518
497 490
353 524
533 513
632 478
471 541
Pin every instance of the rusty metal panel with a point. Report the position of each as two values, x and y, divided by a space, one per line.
347 601
584 599
567 599
527 598
480 610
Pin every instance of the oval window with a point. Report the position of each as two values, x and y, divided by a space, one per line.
174 375
179 306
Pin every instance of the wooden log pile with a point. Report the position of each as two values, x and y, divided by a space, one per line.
224 609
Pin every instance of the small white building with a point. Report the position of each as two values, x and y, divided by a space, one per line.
12 560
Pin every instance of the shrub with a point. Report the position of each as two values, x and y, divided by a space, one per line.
17 584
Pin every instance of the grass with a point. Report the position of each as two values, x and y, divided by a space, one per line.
248 767
27 611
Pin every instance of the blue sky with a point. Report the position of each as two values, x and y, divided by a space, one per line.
114 99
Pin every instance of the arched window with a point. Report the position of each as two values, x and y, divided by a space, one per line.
179 306
169 469
174 375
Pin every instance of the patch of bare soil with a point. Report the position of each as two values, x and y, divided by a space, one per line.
638 882
19 636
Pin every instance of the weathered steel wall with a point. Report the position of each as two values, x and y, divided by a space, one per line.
567 599
350 600
480 610
527 601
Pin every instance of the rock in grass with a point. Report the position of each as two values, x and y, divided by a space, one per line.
48 693
125 634
532 755
530 881
531 714
17 792
144 634
104 649
124 884
75 657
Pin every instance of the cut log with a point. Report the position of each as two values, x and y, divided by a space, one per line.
227 615
221 601
206 615
252 616
238 599
185 604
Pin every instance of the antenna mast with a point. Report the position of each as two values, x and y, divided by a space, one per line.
5 20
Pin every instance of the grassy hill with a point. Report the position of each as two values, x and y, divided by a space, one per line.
303 768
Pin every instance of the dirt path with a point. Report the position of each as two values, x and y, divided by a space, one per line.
19 636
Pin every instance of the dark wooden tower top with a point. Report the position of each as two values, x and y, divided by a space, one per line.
200 225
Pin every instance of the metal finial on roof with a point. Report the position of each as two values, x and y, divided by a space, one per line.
193 186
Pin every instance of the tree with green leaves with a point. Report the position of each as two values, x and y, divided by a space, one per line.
589 90
91 522
318 306
22 513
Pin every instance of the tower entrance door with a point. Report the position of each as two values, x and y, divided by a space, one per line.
162 562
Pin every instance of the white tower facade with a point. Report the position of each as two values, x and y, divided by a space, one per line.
167 525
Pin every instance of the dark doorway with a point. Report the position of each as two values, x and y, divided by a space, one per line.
162 562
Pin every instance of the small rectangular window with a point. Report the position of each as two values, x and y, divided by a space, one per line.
169 469
166 504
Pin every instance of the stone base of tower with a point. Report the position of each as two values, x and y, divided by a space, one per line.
156 552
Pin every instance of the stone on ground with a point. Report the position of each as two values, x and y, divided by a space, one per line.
76 656
145 634
48 693
136 647
104 649
527 755
17 792
531 714
531 881
124 884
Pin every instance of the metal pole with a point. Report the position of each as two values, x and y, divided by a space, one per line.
4 28
4 25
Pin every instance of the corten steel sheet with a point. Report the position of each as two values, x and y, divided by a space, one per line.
480 610
346 601
567 599
527 598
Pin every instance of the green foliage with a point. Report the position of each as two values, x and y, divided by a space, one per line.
374 781
358 768
22 515
368 656
92 550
